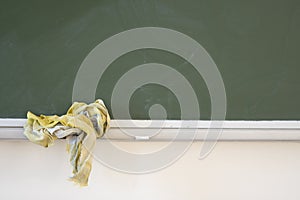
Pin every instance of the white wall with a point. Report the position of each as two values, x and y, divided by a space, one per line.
234 170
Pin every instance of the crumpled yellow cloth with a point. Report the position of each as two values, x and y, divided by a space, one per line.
81 126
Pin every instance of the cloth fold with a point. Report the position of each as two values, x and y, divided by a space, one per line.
81 126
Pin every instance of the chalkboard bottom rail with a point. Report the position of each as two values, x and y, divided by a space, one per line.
181 130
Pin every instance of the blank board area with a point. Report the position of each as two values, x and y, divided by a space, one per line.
254 44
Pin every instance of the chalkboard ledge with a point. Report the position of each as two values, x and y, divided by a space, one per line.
166 130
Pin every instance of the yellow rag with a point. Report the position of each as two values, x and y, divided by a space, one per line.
81 126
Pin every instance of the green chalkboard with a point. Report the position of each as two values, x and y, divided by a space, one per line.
254 43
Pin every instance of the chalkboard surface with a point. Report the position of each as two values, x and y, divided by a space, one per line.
254 43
